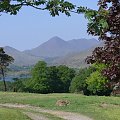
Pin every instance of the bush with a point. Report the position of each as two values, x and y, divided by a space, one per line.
9 86
97 84
19 85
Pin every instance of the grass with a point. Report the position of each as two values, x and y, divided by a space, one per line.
98 108
11 114
17 114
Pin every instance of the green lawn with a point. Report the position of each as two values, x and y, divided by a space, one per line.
11 114
98 108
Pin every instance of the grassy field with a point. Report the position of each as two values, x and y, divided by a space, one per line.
11 114
98 108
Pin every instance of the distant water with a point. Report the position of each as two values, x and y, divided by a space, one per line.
10 78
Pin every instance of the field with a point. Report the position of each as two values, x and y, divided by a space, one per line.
95 107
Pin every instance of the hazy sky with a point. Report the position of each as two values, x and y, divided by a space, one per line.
31 27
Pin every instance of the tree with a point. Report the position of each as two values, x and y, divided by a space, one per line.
19 84
106 25
78 83
38 83
44 79
66 75
49 79
97 84
54 81
53 6
5 60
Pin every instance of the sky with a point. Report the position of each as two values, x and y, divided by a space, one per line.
30 27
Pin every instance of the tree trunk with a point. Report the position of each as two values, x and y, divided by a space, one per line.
3 75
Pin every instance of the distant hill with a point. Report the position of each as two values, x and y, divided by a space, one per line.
75 60
55 52
57 47
21 58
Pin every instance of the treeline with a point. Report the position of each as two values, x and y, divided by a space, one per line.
45 79
62 79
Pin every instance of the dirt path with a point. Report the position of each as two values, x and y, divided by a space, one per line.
60 114
34 116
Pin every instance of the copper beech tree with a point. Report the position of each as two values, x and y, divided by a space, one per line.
109 32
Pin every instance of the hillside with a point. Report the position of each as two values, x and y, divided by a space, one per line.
55 51
75 60
57 47
21 58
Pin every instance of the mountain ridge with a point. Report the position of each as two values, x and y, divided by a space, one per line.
56 52
56 47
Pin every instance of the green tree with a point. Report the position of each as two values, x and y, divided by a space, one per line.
96 83
78 83
104 22
49 79
19 84
5 60
53 6
44 79
54 80
66 75
9 86
39 83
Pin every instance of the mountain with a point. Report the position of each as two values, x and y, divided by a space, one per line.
55 51
21 58
57 47
75 60
52 48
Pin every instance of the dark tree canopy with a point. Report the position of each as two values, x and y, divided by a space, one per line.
50 79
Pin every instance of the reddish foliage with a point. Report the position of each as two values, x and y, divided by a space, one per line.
110 52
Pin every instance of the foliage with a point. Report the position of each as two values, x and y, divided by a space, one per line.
19 85
53 6
5 60
96 84
54 81
8 84
39 81
78 83
104 22
66 75
49 79
109 54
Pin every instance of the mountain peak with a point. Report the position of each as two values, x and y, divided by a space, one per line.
55 38
8 48
56 47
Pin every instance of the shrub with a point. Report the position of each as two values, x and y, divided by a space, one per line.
97 84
